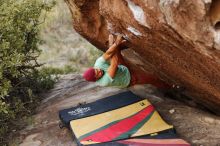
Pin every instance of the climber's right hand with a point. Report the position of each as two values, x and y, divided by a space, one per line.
120 40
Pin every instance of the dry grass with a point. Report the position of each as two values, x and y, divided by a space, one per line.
62 47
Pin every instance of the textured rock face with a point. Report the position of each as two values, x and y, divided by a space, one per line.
178 40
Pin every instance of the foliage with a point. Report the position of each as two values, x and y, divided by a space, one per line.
19 79
93 55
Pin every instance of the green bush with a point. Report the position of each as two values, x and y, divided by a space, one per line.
20 81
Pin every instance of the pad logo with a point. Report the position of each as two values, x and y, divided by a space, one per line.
79 111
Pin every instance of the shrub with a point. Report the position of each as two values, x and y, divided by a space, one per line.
19 79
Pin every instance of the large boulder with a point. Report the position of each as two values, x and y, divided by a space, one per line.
177 40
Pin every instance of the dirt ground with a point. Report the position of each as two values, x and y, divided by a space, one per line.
198 127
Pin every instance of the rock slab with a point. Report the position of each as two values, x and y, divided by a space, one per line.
194 125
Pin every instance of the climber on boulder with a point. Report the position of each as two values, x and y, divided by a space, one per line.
111 70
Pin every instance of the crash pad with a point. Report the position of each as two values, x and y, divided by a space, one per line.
121 119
